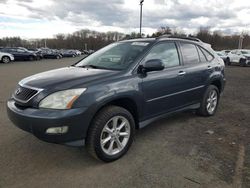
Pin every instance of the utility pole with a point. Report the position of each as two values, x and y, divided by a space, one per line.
141 3
45 43
241 41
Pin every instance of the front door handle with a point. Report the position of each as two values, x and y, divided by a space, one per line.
181 73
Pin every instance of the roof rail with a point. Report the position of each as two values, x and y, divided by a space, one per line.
179 37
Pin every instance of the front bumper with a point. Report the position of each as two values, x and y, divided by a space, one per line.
37 121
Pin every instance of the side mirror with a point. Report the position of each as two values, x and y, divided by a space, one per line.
153 65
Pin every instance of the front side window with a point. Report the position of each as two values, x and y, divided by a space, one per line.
166 52
116 56
189 53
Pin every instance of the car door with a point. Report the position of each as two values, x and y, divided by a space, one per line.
22 54
238 56
197 71
162 90
233 56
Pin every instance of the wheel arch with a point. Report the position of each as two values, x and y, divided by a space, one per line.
125 102
4 57
218 83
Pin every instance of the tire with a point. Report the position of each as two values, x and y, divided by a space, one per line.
102 128
6 59
242 62
228 61
31 58
205 109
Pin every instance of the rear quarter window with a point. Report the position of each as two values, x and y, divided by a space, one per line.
207 54
201 54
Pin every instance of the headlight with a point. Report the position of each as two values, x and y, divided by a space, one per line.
61 99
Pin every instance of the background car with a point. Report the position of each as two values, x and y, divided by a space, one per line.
20 54
68 53
239 56
225 51
37 52
50 54
6 57
223 56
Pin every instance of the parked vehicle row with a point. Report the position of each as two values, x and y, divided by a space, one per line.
238 56
9 54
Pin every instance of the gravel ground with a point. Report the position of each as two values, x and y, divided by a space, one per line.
184 150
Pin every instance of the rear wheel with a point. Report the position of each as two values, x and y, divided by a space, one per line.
209 102
111 133
31 58
242 62
6 59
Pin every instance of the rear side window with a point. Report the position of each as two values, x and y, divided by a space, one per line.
189 53
166 52
209 56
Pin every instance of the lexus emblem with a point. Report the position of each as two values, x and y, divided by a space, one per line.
18 91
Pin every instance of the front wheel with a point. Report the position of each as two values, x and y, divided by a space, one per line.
228 61
111 133
209 102
6 59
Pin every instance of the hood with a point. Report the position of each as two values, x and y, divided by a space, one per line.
4 53
65 78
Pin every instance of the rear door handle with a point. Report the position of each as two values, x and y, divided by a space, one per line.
209 67
181 73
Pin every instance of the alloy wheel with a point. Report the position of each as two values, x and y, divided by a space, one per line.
115 135
6 60
212 101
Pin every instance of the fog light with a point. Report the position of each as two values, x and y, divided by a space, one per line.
57 130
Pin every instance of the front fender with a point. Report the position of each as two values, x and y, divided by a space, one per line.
99 95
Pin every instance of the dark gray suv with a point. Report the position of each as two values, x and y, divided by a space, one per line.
101 100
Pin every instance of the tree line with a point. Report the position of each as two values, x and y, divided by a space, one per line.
87 39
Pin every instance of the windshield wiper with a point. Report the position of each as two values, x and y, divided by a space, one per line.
95 67
91 66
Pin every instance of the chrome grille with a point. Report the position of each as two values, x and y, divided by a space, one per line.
24 94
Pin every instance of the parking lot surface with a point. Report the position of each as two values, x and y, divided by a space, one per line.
184 150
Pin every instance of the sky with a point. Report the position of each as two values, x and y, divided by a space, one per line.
46 18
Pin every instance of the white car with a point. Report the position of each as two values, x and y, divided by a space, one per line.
6 57
240 56
78 52
223 56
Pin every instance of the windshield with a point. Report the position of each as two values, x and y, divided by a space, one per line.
116 56
219 54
